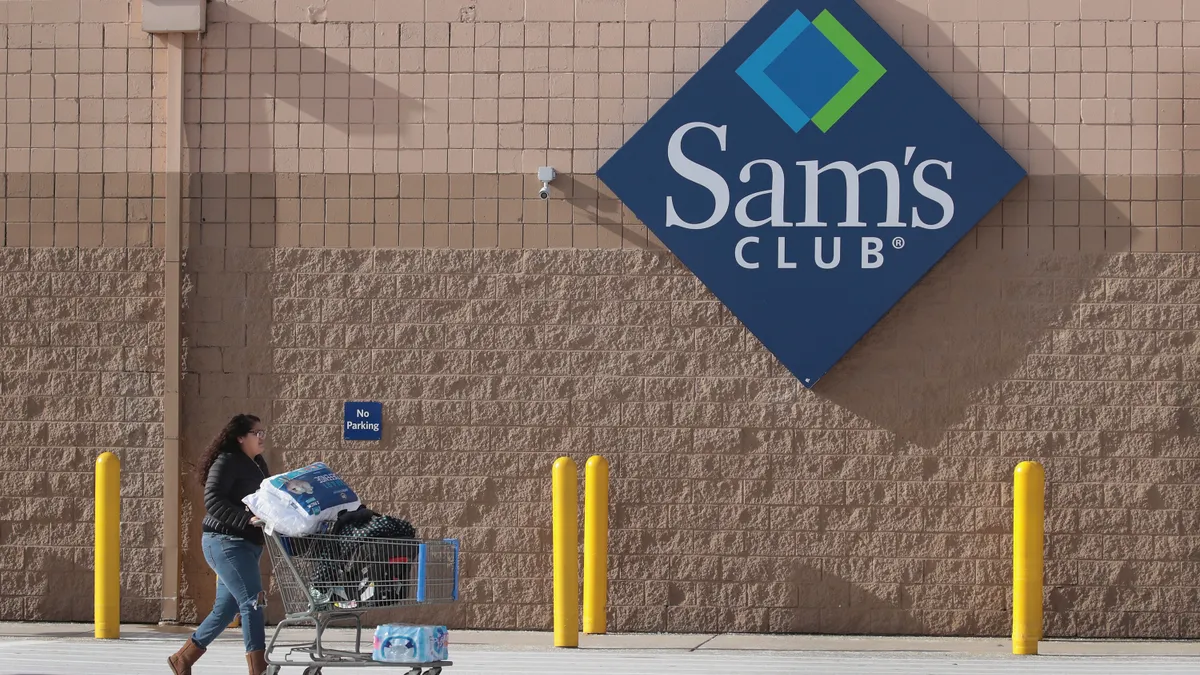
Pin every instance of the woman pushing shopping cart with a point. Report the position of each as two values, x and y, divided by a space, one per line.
366 561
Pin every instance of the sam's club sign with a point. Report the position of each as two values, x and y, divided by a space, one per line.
810 174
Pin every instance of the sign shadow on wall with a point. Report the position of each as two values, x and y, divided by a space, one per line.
594 203
828 602
977 318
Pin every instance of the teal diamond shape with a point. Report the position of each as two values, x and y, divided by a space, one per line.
754 71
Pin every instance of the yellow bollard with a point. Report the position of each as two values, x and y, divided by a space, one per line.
108 547
565 495
595 545
1028 528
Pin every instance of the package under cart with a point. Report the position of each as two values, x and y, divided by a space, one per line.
324 579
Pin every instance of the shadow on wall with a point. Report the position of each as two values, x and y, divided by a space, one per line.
64 578
265 330
323 89
227 350
288 333
827 602
975 319
232 325
67 582
589 198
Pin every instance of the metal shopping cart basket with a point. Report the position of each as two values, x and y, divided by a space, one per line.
324 579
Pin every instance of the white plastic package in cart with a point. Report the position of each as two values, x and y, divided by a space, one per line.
301 502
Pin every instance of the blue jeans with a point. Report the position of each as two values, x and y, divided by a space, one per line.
239 589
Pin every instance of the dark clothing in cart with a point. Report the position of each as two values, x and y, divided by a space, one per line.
370 564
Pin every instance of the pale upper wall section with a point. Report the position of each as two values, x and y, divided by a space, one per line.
502 86
1098 99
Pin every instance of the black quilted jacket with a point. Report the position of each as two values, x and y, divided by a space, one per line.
233 476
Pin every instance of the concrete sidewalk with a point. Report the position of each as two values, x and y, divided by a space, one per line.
69 649
539 641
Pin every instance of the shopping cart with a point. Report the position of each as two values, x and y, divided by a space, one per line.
324 579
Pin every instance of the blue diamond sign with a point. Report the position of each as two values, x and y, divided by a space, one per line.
809 175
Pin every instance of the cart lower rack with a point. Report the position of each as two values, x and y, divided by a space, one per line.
325 579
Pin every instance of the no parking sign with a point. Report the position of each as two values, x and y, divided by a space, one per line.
364 421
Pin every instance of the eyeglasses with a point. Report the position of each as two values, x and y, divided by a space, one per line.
261 433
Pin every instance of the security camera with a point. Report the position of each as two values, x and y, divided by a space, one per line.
546 174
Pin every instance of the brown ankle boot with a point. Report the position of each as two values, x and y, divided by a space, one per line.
257 661
182 660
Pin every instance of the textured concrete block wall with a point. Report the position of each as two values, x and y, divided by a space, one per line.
81 331
363 223
879 502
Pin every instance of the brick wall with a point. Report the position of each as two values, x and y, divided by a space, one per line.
879 502
81 347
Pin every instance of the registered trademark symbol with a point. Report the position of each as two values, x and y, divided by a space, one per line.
898 243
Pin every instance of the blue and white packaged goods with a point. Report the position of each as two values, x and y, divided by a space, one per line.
302 502
411 644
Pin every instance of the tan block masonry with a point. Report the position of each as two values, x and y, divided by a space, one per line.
741 502
81 348
876 503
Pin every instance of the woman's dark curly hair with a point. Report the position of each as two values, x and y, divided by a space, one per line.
226 441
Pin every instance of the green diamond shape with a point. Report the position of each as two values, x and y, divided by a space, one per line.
869 71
